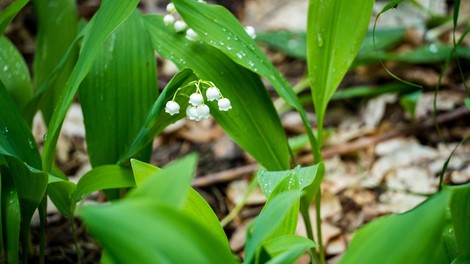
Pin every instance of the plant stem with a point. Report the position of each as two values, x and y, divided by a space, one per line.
308 226
318 224
75 240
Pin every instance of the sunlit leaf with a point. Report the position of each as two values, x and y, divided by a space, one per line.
252 122
411 237
14 73
335 30
110 15
56 30
287 249
460 209
143 231
118 91
170 185
142 171
274 214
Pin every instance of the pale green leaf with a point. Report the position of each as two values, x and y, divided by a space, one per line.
143 231
142 171
411 237
335 30
102 178
460 209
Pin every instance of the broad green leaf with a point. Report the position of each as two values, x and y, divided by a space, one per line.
289 256
200 211
102 178
118 92
143 231
60 193
14 73
110 15
268 180
460 209
287 249
142 171
335 30
156 119
7 15
56 30
170 185
252 122
411 237
219 28
274 214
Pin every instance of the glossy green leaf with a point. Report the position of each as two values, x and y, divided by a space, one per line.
287 249
460 209
7 15
143 231
274 214
110 15
200 211
219 28
252 122
268 180
57 25
60 193
102 178
411 237
335 30
170 185
142 171
156 119
118 92
11 219
14 73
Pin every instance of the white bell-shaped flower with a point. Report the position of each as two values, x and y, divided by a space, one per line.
169 20
251 31
191 35
172 107
191 113
213 93
170 8
202 111
196 99
180 26
224 104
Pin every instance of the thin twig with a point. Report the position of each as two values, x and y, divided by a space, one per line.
362 143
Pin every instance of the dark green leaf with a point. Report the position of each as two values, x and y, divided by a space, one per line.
56 30
14 73
61 195
118 91
110 15
156 119
252 122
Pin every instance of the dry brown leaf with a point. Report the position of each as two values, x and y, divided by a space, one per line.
236 191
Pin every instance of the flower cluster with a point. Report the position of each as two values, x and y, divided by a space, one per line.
179 25
197 109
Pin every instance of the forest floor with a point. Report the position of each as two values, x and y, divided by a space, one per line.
379 159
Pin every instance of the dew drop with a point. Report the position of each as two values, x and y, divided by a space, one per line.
30 144
229 48
5 68
450 231
235 37
251 63
224 29
229 38
221 43
433 48
319 40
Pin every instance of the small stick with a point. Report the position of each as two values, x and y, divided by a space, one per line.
239 172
